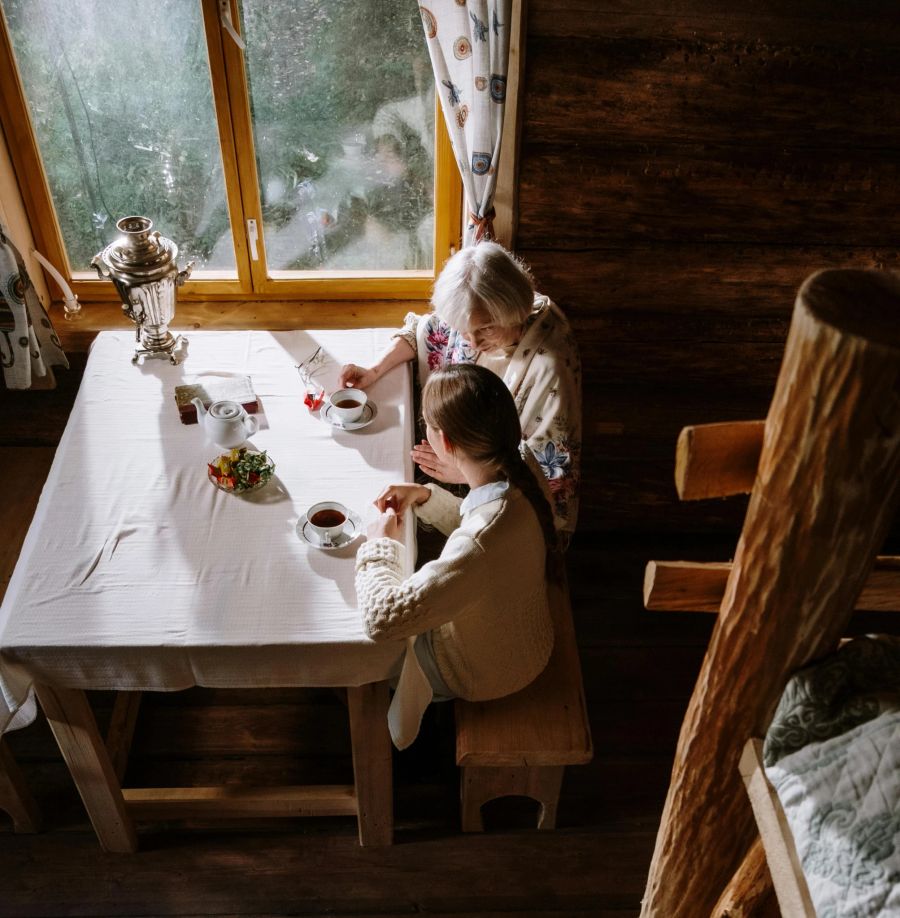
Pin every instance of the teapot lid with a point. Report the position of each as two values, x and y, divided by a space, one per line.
225 410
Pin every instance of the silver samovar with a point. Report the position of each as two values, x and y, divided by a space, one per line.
142 265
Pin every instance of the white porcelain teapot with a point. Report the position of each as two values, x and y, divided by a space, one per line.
226 423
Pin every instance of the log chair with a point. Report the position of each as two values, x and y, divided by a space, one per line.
825 491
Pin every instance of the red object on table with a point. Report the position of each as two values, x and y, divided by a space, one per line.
314 400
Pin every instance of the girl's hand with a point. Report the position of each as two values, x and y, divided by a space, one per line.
398 497
356 377
439 469
386 526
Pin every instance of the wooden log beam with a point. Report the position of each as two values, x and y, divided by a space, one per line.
697 586
717 460
750 893
826 491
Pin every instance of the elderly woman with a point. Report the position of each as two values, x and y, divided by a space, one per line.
486 312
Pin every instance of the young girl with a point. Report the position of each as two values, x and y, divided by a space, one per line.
480 610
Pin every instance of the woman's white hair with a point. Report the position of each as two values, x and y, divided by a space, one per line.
483 275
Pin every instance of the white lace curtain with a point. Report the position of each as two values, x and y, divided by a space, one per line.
468 41
28 342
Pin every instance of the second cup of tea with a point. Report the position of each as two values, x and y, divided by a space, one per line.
347 404
326 519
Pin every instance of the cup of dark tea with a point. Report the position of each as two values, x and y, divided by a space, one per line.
347 405
326 519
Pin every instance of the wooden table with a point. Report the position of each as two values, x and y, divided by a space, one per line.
138 575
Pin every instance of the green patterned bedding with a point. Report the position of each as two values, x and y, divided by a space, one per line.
833 756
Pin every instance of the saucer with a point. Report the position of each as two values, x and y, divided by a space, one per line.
369 413
352 528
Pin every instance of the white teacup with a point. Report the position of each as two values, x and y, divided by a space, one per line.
327 520
347 405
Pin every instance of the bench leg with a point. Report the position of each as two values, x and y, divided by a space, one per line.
479 784
14 795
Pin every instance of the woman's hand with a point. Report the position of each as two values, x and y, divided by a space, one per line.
386 526
356 377
445 470
398 497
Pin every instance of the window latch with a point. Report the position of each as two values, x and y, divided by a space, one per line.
253 238
225 17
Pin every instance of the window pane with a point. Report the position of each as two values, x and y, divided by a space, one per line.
121 101
342 98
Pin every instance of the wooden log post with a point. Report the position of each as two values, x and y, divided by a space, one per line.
749 894
825 494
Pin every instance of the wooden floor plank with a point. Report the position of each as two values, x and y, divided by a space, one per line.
213 874
589 913
236 801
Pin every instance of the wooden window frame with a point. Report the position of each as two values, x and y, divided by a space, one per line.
232 109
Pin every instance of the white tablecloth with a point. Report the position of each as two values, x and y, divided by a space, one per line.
137 573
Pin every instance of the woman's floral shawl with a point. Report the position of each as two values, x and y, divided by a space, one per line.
544 376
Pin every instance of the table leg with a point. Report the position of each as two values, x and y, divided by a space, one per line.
121 730
372 769
14 795
72 722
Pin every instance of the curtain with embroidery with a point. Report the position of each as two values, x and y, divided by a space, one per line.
28 342
468 41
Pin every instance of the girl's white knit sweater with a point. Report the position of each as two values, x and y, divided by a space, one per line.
484 598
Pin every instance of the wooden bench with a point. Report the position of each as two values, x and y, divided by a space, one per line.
521 744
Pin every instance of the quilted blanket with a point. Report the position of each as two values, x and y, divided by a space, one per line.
833 756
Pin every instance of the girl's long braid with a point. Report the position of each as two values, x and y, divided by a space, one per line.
518 473
476 411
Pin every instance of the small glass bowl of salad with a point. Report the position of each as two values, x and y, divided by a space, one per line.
241 470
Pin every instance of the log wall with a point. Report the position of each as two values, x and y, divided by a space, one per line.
684 167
